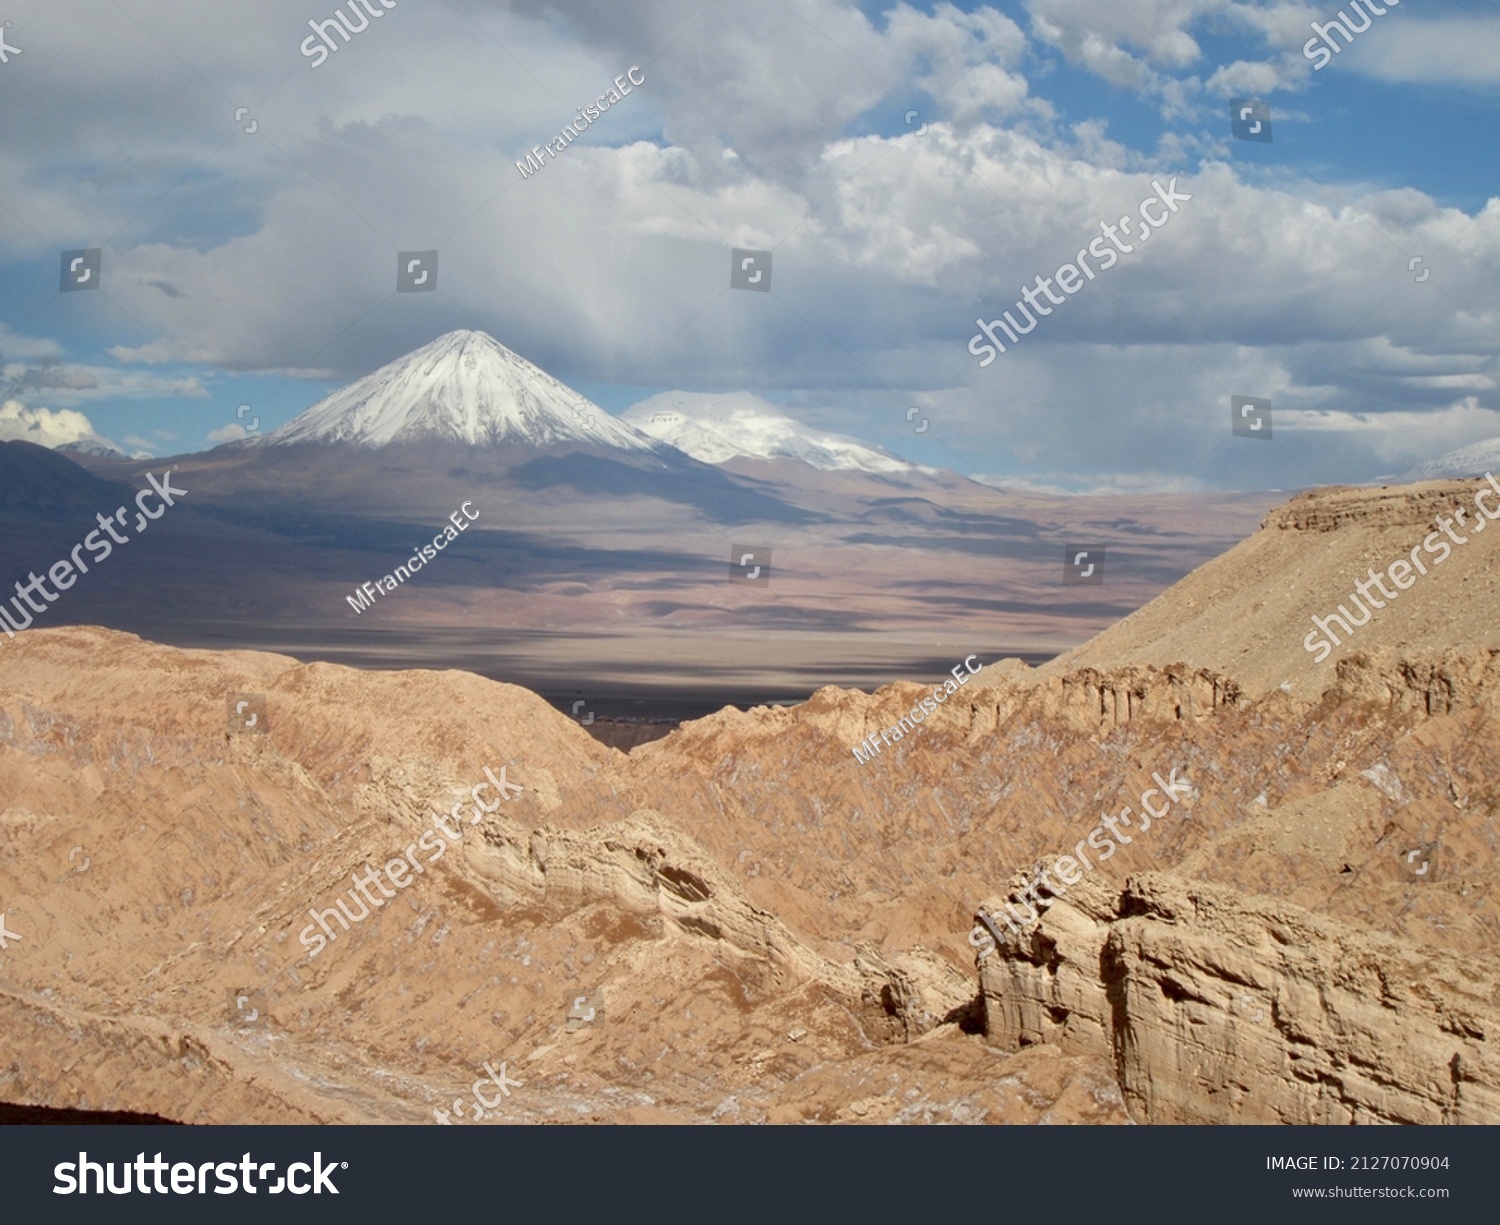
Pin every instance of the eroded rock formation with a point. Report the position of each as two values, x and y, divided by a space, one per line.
1217 1007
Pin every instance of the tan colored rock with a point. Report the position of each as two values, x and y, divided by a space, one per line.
1246 613
1219 1008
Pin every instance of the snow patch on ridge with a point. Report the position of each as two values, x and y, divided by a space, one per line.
715 428
1473 460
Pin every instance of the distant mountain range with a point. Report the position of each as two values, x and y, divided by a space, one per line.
1473 460
597 551
101 450
718 428
466 387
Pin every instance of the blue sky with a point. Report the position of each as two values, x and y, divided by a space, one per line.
258 268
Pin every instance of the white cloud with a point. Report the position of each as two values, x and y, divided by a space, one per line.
892 245
1097 34
968 61
1246 79
612 263
150 354
75 384
1140 46
1399 438
1072 484
47 428
1427 50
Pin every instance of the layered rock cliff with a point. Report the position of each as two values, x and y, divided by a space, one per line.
1215 1006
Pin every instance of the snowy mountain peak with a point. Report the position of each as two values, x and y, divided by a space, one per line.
1473 460
463 387
716 428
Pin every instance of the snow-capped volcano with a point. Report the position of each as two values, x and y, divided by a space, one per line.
715 428
1473 460
463 387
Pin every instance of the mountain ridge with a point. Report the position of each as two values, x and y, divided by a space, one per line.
717 428
1475 459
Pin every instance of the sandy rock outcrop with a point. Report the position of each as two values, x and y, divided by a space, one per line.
1217 1007
1247 613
